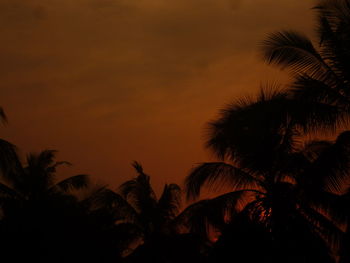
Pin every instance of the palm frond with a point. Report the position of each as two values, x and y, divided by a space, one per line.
330 171
38 168
332 205
216 212
290 49
196 218
335 11
253 132
138 191
109 202
73 183
10 165
246 123
322 225
126 188
138 167
3 117
43 159
314 148
217 174
7 192
53 167
319 104
170 201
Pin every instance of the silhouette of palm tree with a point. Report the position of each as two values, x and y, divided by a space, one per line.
153 215
135 213
36 180
321 75
281 182
38 214
321 79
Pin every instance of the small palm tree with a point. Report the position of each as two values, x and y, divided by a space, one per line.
154 215
39 214
135 213
37 178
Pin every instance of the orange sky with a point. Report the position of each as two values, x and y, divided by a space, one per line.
107 82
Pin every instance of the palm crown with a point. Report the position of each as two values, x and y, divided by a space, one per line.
281 182
321 74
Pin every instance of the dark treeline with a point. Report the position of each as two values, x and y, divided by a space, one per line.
288 195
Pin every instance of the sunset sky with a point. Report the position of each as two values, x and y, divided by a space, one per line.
106 82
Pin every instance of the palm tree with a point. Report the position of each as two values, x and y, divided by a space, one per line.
321 77
280 182
153 215
36 179
39 214
321 73
135 214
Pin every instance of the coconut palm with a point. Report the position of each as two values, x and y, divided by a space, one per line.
153 215
135 213
281 182
36 179
321 72
39 214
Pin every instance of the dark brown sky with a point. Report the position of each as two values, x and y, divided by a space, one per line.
106 82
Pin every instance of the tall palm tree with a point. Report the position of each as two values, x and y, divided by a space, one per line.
321 75
321 72
281 182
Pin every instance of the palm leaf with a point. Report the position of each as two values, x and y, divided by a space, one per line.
3 117
295 51
107 201
170 201
43 160
255 133
198 217
217 174
138 191
314 148
216 212
10 165
320 105
138 167
322 225
73 183
7 192
332 167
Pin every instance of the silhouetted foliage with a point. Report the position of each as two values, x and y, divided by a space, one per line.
287 199
281 182
321 74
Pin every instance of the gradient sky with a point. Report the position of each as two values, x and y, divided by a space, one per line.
107 82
